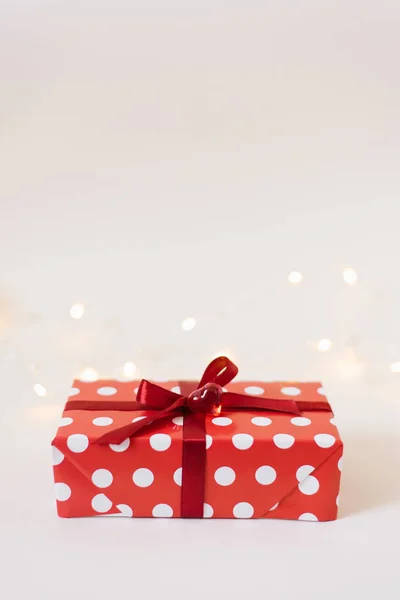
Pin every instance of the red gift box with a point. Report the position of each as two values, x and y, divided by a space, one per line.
259 463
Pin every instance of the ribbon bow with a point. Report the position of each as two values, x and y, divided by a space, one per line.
208 397
194 402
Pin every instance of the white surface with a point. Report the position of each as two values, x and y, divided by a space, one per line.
163 161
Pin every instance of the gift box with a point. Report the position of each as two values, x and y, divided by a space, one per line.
213 449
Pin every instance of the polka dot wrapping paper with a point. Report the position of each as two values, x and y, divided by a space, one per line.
258 464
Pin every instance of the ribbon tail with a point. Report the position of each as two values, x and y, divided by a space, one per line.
121 433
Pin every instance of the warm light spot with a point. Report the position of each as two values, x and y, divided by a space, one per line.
226 352
188 324
350 276
77 311
295 277
88 374
349 366
40 390
395 367
324 345
129 369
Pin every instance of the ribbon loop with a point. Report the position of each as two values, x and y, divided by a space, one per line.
221 371
155 397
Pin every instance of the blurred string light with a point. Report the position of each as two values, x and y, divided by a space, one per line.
188 324
77 311
88 374
129 369
295 277
40 390
324 345
350 276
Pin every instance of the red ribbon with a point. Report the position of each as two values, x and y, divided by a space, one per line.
208 397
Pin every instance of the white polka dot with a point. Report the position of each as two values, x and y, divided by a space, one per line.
337 500
102 478
274 506
307 517
208 511
224 476
178 420
160 442
291 391
261 421
102 421
340 463
309 485
209 441
321 391
333 421
300 421
243 510
101 503
177 390
242 441
107 391
64 421
125 510
222 421
58 456
122 446
143 477
138 419
324 440
254 390
162 510
265 475
77 442
283 440
63 491
178 476
74 391
303 472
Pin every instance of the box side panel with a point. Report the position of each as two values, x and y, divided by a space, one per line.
254 461
135 476
74 492
316 497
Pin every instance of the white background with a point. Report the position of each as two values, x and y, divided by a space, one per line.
161 160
